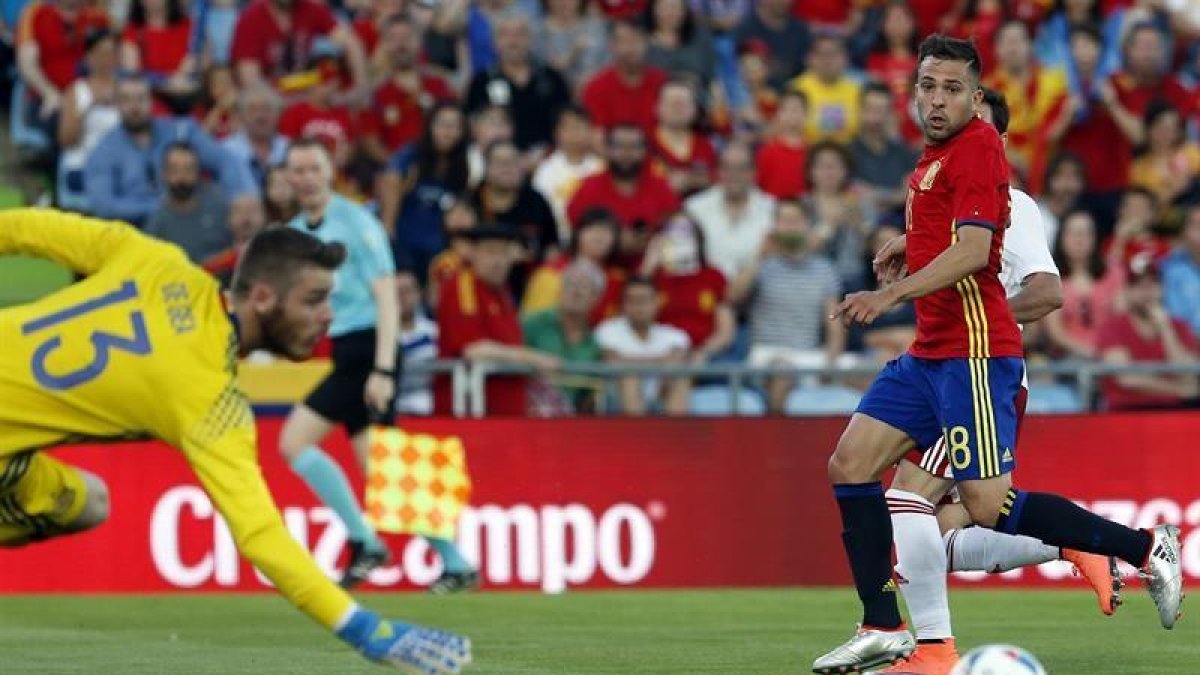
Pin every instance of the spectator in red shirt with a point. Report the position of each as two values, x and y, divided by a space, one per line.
1147 334
625 92
372 22
782 159
823 14
1135 233
319 116
630 189
980 21
50 48
478 321
893 60
156 41
622 10
682 155
1108 118
693 294
275 38
396 115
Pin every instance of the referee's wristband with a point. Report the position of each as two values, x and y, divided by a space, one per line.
384 371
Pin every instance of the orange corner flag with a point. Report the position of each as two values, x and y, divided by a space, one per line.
416 483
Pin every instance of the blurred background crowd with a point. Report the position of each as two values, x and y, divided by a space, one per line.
634 181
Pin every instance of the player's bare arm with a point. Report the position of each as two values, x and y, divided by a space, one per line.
1041 293
965 257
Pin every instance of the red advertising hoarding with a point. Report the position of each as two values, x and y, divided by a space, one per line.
603 503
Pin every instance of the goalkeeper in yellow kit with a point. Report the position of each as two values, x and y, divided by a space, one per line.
145 347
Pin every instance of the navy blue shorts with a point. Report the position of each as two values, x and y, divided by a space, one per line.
970 403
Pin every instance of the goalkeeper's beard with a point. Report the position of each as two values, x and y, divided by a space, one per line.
275 333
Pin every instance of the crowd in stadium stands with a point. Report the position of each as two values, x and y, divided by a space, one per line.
635 181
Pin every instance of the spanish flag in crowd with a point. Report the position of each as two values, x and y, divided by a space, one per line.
416 483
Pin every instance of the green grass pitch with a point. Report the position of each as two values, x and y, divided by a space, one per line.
685 632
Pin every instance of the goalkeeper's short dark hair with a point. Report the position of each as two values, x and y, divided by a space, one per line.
999 105
274 256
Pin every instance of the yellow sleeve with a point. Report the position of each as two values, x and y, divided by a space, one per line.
82 244
223 451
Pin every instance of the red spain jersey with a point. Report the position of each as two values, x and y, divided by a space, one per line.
962 182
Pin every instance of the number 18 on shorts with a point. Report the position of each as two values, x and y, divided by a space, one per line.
971 402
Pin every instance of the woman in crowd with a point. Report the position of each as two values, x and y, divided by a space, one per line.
279 201
841 214
678 44
422 181
1066 181
571 41
595 240
1090 289
89 112
693 294
893 60
217 112
156 41
1168 163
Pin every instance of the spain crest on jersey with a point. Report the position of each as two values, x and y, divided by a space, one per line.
930 175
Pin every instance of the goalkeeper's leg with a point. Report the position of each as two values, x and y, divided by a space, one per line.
40 498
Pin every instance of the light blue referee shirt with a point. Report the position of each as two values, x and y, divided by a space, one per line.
368 257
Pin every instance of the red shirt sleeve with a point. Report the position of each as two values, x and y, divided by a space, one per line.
981 184
718 284
460 316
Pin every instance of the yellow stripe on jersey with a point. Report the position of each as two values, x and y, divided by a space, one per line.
985 346
973 311
466 294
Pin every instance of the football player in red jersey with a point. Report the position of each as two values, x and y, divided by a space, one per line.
960 378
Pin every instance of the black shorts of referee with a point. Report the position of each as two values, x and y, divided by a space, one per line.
340 396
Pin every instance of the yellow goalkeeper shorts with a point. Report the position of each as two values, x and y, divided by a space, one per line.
39 497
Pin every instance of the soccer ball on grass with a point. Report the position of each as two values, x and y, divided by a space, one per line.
998 660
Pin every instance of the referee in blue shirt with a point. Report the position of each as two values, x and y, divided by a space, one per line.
364 333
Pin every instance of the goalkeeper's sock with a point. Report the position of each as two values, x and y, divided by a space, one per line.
867 536
452 560
329 482
1060 522
978 549
920 564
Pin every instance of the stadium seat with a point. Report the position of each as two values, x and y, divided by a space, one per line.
29 140
822 400
716 401
1052 398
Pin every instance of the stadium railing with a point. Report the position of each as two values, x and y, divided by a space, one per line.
1084 378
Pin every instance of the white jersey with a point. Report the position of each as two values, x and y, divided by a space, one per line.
1025 249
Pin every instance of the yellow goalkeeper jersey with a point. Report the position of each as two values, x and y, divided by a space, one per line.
143 347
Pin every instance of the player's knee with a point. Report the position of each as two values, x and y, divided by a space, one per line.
984 509
846 467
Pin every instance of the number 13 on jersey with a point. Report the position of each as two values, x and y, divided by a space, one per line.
103 343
